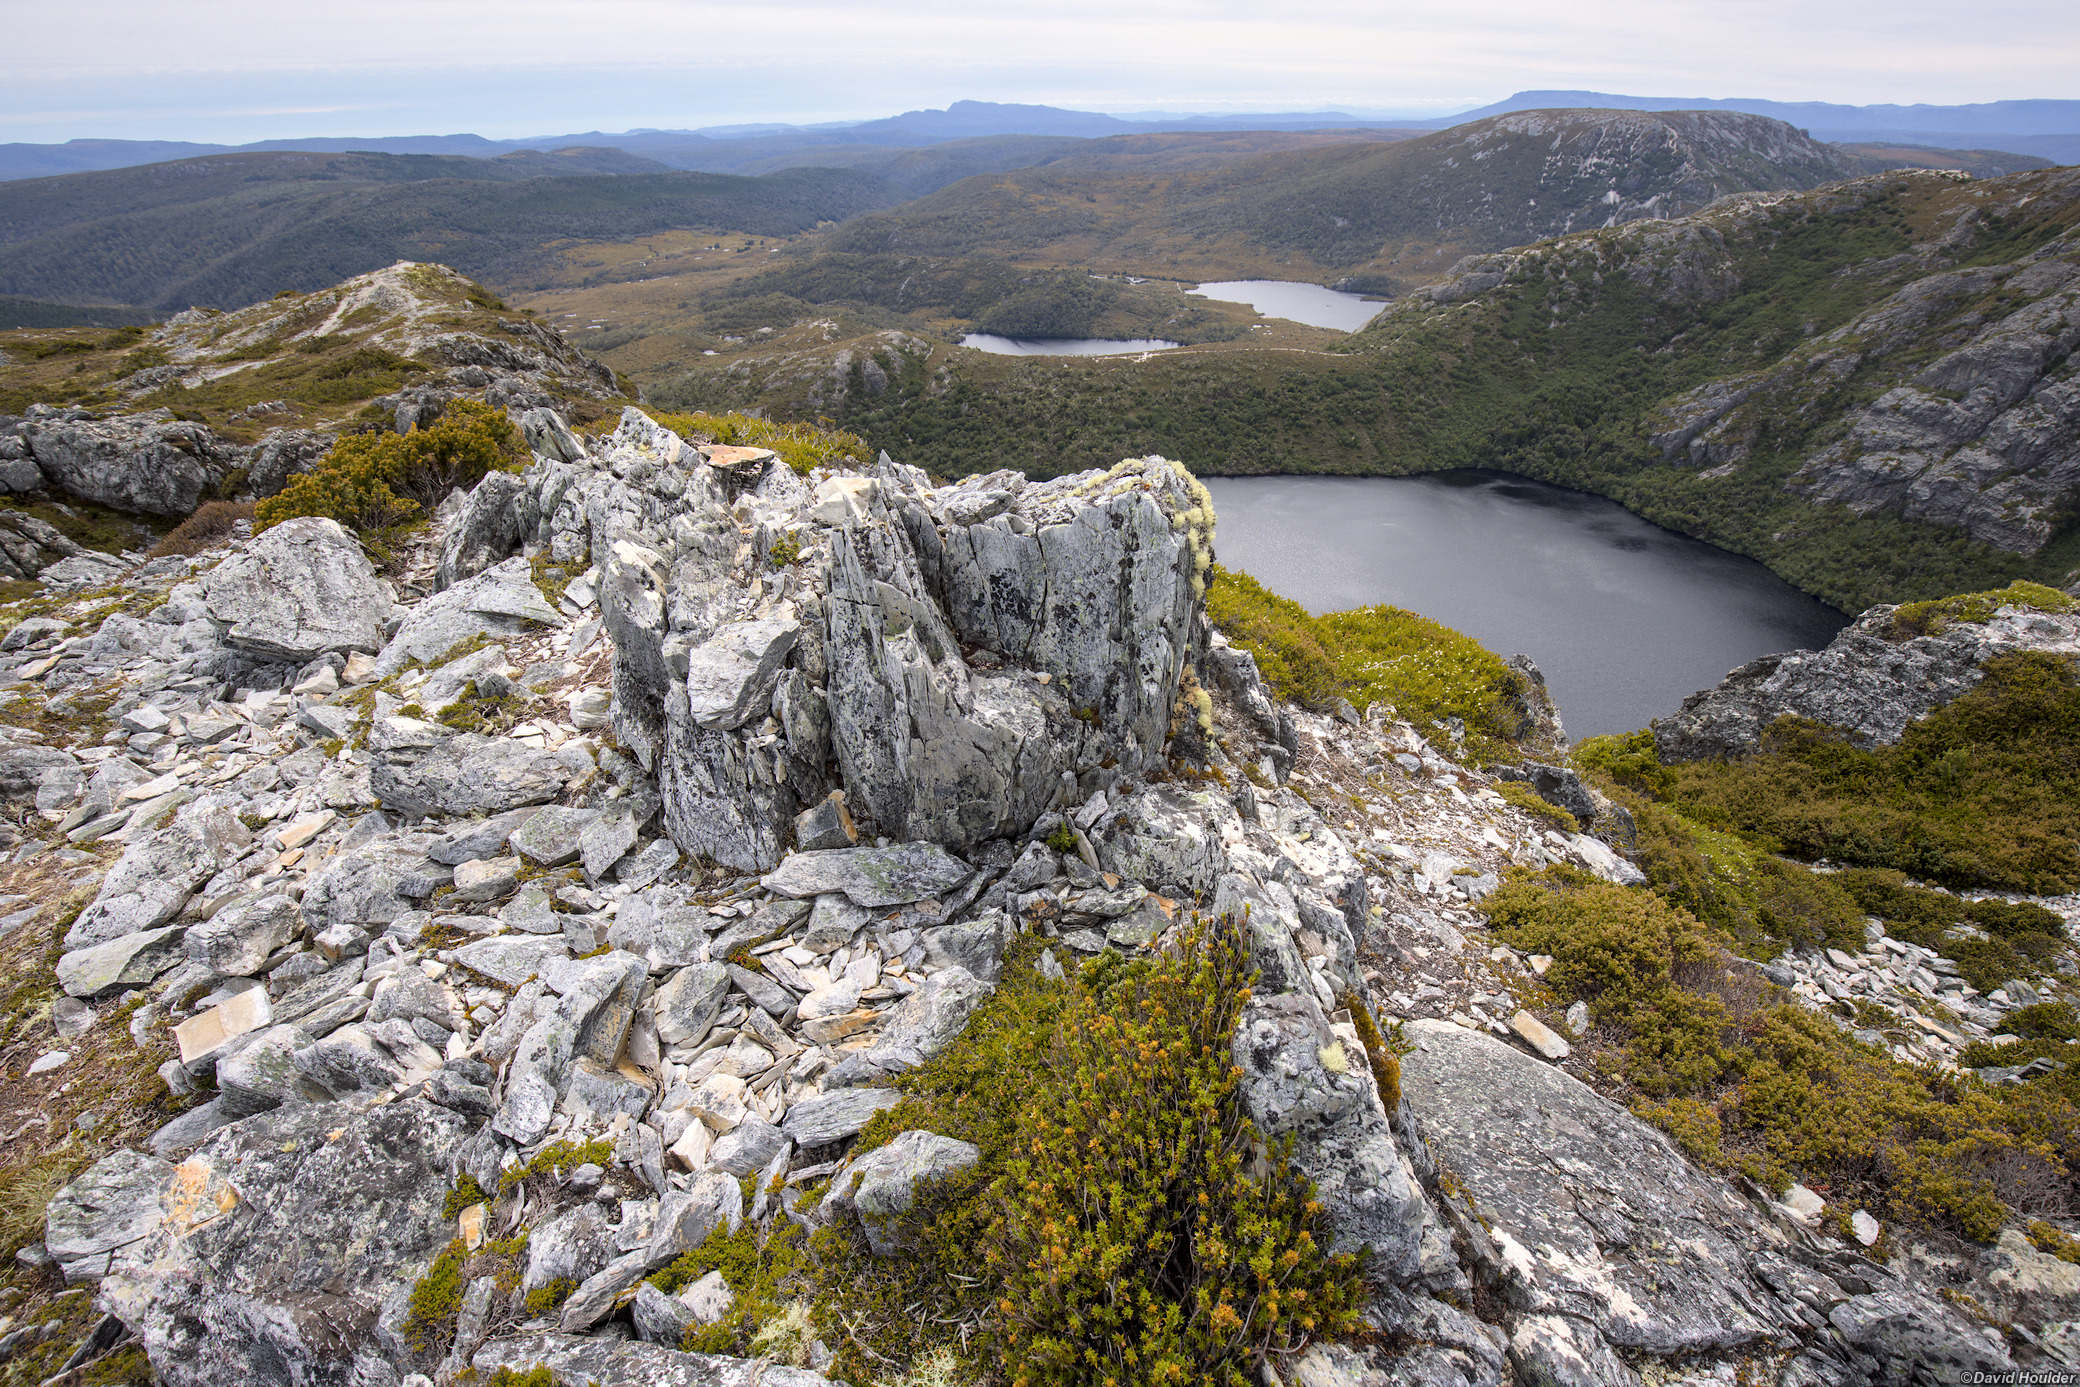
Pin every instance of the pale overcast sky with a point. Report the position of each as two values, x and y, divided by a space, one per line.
238 70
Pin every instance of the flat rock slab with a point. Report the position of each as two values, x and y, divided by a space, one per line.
131 961
835 1116
554 836
300 590
510 958
577 1360
895 875
499 601
469 774
1555 1170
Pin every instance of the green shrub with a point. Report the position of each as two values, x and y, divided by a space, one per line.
1928 618
373 482
764 1274
1427 671
516 1377
545 1299
2005 941
436 1300
1124 1231
1517 793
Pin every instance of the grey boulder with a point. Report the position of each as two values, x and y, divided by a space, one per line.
469 774
881 1186
300 590
895 875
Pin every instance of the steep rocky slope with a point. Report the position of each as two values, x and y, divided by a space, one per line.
609 898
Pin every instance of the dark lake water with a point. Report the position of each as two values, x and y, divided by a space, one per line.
1624 618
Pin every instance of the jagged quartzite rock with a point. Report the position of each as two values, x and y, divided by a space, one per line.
128 961
469 774
1168 836
479 837
239 938
747 1148
1863 683
150 462
589 1021
569 1247
825 824
1098 586
687 1005
28 546
501 601
611 1363
554 836
99 1220
1302 1076
300 590
686 1217
510 958
871 877
881 1185
1687 1278
498 517
730 676
288 1244
929 1018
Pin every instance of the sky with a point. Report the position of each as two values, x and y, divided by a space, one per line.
229 71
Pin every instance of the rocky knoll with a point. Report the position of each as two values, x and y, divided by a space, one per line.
1871 682
420 324
612 898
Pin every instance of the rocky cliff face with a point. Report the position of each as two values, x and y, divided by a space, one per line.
853 718
1949 400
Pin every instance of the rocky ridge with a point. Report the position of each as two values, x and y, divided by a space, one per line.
412 336
1871 682
411 913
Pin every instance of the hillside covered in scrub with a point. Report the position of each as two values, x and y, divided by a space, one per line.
1867 386
673 900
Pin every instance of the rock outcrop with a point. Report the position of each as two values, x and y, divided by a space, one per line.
1871 682
394 956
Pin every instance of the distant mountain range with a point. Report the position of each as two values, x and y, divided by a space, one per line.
2044 128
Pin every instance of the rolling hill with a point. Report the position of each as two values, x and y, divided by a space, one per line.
225 230
1384 209
1869 386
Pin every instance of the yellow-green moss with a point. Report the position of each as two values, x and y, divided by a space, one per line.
1928 618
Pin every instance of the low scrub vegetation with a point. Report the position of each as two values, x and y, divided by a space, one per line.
1427 671
1982 794
213 523
1749 1081
373 482
1125 1223
803 447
